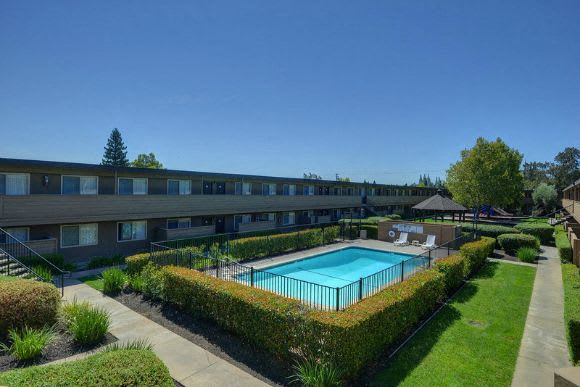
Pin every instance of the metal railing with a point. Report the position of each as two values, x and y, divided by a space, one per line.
312 294
23 257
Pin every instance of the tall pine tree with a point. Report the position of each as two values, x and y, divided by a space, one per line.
115 151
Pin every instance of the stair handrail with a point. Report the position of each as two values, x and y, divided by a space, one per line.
11 257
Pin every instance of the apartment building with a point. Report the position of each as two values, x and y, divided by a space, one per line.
571 204
86 210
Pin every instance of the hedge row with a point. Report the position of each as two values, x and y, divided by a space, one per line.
489 230
571 280
475 254
511 243
542 231
563 245
114 368
453 268
27 303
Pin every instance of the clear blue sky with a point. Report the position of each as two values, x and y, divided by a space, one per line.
381 90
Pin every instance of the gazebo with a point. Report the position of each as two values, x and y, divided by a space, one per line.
439 205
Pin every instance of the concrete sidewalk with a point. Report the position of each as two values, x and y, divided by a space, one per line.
188 363
544 347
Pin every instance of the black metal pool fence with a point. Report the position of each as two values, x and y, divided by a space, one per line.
313 295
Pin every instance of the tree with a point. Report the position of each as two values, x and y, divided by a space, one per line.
312 176
536 173
566 167
489 173
545 196
145 160
343 179
115 151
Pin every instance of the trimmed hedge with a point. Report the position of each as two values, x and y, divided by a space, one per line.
563 245
114 368
571 280
27 303
453 268
510 243
543 231
489 230
475 254
136 263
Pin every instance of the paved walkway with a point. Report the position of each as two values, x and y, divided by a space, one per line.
544 347
188 363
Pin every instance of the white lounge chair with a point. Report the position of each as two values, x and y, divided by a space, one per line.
402 241
429 243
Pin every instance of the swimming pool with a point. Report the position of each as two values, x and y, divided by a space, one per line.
336 279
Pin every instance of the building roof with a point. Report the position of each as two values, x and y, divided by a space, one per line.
439 203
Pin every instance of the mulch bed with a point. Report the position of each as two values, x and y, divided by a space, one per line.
63 346
255 361
500 254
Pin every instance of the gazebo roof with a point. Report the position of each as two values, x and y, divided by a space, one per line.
439 203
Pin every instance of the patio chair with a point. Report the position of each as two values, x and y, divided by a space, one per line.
429 243
402 241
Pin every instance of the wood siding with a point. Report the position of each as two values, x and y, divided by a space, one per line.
164 234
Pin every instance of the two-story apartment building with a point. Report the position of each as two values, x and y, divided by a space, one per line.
571 204
86 210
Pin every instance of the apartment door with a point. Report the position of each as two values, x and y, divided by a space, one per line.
220 224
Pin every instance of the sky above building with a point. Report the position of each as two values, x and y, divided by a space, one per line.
375 90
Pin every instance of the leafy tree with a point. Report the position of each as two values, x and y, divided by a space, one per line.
343 179
566 167
145 160
115 151
536 173
489 173
545 196
312 176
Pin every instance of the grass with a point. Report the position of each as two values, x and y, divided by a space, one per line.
29 343
475 339
527 254
571 278
94 281
113 280
87 324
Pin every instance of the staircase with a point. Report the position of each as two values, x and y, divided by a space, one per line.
16 260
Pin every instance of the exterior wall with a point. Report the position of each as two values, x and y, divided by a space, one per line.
443 232
37 185
163 234
157 186
43 246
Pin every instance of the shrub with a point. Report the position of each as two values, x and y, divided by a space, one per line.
489 230
563 245
43 272
115 368
153 283
98 262
571 280
113 281
141 344
527 254
453 268
27 303
136 283
87 324
512 242
29 343
312 373
136 263
475 254
56 259
543 231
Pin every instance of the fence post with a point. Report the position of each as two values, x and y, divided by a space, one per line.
217 268
228 245
252 276
402 271
337 299
448 249
429 257
322 244
360 289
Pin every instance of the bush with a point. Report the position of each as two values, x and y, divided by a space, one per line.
571 280
563 245
489 230
475 254
510 243
527 254
543 231
115 368
136 263
87 324
312 373
98 262
43 272
142 344
136 283
113 281
153 282
29 343
27 303
453 268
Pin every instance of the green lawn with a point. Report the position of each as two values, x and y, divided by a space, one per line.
94 281
571 278
473 341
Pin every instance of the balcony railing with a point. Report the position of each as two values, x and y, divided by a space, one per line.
184 233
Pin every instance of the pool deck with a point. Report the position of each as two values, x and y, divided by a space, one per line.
365 243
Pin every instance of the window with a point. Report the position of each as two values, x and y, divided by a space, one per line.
268 217
179 223
309 190
288 218
206 220
79 235
243 188
268 189
336 191
220 188
14 184
19 233
207 188
132 231
80 185
242 219
289 189
131 186
178 187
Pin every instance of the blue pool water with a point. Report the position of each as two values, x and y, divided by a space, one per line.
315 279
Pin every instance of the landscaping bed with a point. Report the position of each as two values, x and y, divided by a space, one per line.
571 281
